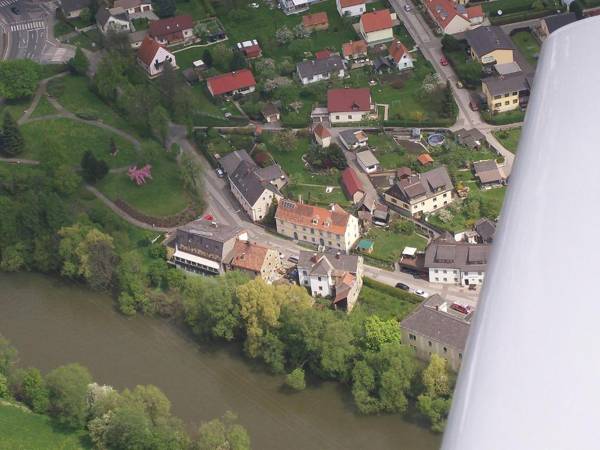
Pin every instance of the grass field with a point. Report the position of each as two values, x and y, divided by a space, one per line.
509 138
388 245
15 107
44 108
73 139
525 42
163 195
390 154
21 430
385 301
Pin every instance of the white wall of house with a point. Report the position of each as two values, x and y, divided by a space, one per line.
118 25
323 142
405 62
319 77
457 25
342 242
444 276
377 37
260 209
425 205
351 11
469 278
350 116
161 56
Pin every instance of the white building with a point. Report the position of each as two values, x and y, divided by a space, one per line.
451 262
367 161
152 57
312 71
400 56
350 105
114 20
351 8
332 275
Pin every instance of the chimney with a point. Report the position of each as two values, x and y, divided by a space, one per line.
213 224
337 255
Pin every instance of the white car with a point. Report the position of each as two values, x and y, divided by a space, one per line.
407 8
254 5
421 293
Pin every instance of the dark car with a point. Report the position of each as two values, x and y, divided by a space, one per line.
15 9
404 287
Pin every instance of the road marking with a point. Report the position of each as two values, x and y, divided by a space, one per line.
4 3
28 26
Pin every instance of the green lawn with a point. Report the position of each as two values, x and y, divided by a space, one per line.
163 195
504 118
89 40
15 107
388 245
513 6
385 301
390 154
21 430
196 9
509 138
530 48
44 108
73 139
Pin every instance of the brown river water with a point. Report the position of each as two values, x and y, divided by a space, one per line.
51 323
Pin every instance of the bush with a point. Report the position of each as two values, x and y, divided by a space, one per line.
391 290
295 379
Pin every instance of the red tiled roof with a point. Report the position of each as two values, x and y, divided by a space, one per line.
376 20
148 50
229 82
475 11
249 256
354 48
334 219
316 19
171 25
397 50
348 99
444 11
253 51
321 131
323 54
351 181
425 158
349 3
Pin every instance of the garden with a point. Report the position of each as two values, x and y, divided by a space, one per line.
509 138
528 45
389 243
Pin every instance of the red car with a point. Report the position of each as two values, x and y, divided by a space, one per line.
460 308
443 61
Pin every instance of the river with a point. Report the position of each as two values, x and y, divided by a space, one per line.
51 323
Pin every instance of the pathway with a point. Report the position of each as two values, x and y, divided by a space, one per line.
40 91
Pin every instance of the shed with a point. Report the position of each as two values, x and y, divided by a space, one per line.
365 246
424 159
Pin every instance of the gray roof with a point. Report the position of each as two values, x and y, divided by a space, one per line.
445 328
103 15
327 263
487 39
271 173
426 184
471 138
507 83
74 5
248 183
367 158
348 137
487 171
325 66
486 229
450 254
206 238
137 36
230 161
559 20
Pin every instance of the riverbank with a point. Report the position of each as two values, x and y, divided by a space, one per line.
53 323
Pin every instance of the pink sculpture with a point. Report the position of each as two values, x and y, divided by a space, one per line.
139 176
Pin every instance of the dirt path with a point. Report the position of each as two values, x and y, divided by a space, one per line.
41 90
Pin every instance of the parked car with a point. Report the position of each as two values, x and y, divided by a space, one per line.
443 61
459 84
293 259
460 308
15 10
474 105
410 271
404 287
220 172
407 8
421 293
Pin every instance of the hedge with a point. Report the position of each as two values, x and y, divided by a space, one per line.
504 118
392 291
520 16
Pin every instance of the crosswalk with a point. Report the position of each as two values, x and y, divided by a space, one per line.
4 3
28 26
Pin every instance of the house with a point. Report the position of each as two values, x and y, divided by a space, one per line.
490 45
72 9
353 139
399 55
367 161
332 275
322 135
376 27
323 54
311 71
421 193
294 6
355 53
452 262
506 93
453 18
351 8
381 215
232 83
472 138
350 105
152 57
382 64
231 160
438 326
250 49
172 30
485 229
365 246
134 6
352 185
204 246
425 159
550 24
256 260
330 227
489 174
402 173
315 22
114 20
136 38
271 112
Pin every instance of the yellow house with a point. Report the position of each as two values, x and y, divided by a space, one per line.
490 45
376 27
506 93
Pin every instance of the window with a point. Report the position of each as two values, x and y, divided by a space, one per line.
515 93
445 279
497 105
304 272
320 288
337 117
437 279
460 356
516 100
456 280
349 116
319 278
507 94
496 97
445 271
412 337
445 194
507 102
435 271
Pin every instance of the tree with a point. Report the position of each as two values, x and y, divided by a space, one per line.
169 84
378 332
300 32
159 124
93 169
34 392
435 409
164 8
337 349
128 428
435 377
577 9
238 61
79 63
8 357
12 139
451 44
284 35
67 387
285 140
295 379
207 58
18 78
222 433
4 391
449 108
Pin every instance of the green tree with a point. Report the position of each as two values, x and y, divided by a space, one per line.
93 169
18 78
34 392
222 433
8 357
577 9
164 8
435 409
13 258
295 379
4 391
378 332
337 350
451 44
13 142
207 58
238 61
158 121
67 387
79 63
436 378
129 428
